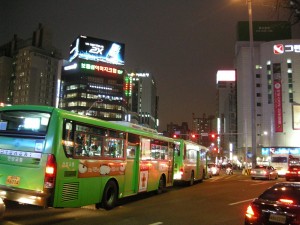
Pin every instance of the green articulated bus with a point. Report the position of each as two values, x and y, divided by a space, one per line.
189 159
55 158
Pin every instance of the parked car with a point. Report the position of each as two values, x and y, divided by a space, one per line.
293 173
264 172
2 208
214 169
279 204
209 173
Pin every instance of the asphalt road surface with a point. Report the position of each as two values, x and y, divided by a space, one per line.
220 200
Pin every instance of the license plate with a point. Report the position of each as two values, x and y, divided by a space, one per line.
13 180
277 218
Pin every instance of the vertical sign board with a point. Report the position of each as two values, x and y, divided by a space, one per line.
277 90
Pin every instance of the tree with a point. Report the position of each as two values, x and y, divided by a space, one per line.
293 8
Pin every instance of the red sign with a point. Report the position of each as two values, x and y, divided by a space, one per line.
278 107
278 49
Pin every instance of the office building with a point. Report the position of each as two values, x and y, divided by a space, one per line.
143 99
276 91
227 113
30 70
93 79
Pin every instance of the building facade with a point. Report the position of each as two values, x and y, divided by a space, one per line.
277 96
30 70
203 126
93 79
227 112
143 102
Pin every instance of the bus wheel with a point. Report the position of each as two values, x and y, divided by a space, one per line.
192 179
161 185
110 195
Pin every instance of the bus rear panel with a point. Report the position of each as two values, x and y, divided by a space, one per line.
27 171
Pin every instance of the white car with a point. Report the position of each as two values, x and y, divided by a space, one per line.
2 208
215 170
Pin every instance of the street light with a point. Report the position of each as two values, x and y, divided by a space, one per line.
253 111
95 102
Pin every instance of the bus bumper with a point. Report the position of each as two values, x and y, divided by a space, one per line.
2 208
24 196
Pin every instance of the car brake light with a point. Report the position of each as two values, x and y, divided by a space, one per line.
286 201
50 172
250 212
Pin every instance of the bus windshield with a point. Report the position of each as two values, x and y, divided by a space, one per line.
279 159
24 122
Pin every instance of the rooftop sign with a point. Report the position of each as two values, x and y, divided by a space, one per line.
98 50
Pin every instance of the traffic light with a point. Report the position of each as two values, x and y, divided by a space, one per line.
175 136
213 136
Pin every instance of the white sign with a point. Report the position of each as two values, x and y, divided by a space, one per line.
281 49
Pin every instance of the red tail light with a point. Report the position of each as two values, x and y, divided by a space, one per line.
251 213
50 172
286 201
181 171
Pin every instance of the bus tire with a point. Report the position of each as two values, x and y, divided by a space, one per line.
203 176
192 180
161 185
110 195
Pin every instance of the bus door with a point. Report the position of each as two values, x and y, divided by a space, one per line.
131 173
171 153
198 172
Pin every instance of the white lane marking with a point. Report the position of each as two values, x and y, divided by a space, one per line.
157 223
240 202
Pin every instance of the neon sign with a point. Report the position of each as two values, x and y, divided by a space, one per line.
99 68
128 86
281 49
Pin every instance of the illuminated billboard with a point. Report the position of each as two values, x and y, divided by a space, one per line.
226 75
100 68
98 50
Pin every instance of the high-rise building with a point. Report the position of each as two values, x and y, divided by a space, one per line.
30 70
93 79
143 99
203 126
276 93
227 112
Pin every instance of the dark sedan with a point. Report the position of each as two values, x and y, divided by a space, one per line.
293 173
278 205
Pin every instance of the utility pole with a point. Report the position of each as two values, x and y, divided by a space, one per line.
253 86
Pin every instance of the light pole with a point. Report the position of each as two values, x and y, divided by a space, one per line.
253 86
97 101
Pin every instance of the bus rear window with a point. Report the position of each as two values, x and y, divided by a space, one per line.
26 122
279 159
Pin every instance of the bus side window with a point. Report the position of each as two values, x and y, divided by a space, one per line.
113 148
67 142
131 152
177 149
95 145
79 143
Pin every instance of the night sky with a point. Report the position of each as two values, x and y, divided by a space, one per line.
181 43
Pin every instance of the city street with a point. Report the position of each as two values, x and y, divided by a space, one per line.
220 200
